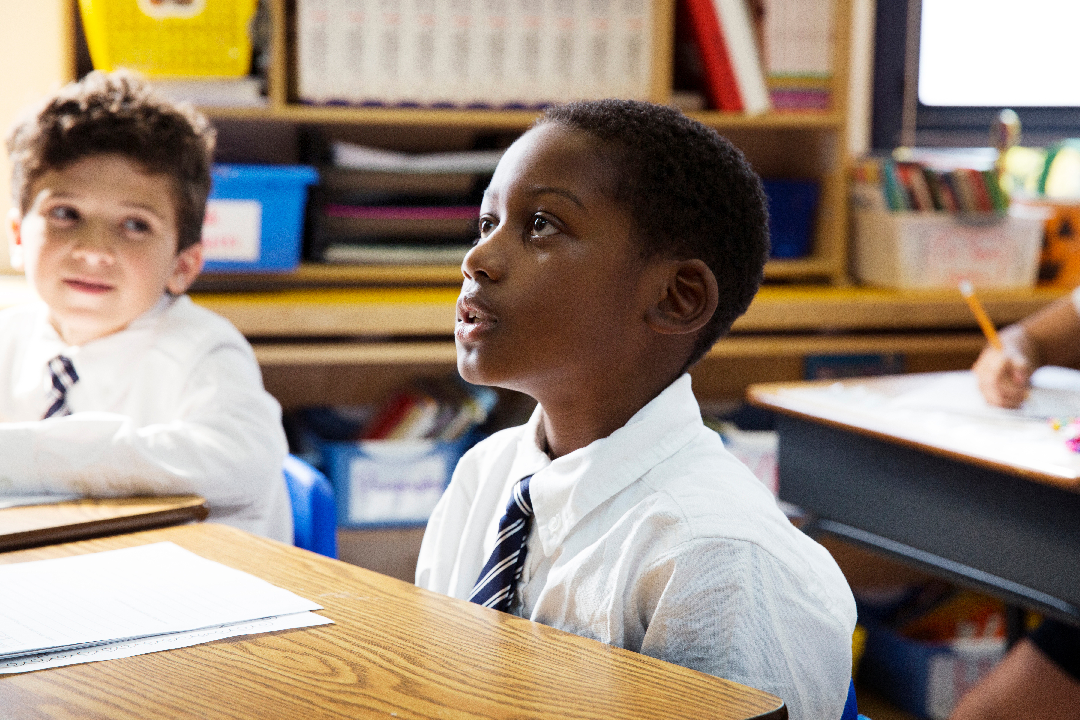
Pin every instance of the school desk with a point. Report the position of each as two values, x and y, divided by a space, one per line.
28 526
953 496
394 651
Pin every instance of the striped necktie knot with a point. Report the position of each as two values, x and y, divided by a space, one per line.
498 580
63 377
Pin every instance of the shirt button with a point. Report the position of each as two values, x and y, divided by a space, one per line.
553 525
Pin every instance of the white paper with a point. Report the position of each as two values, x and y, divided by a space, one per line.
156 643
71 602
7 501
946 410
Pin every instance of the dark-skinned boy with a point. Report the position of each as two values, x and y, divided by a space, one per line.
618 241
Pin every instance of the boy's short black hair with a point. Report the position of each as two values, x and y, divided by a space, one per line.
690 192
118 113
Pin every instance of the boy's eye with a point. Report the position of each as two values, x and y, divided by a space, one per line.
541 226
136 225
63 213
486 225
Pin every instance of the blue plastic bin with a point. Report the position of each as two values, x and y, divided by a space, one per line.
255 217
792 205
388 483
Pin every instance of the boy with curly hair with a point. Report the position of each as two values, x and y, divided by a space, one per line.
115 382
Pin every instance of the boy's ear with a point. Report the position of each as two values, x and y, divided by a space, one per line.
186 267
687 299
15 246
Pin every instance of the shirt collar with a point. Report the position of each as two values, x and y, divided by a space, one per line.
47 343
565 490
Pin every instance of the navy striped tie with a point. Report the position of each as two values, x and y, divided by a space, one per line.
498 580
63 377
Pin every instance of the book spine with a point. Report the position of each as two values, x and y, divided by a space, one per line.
719 75
738 28
312 44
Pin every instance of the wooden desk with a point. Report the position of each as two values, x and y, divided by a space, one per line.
979 516
395 651
32 525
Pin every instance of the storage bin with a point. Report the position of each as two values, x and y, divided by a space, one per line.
170 38
922 250
255 217
923 678
792 205
387 483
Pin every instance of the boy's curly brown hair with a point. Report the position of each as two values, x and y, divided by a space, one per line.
118 113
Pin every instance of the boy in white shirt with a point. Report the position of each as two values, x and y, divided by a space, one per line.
618 241
115 382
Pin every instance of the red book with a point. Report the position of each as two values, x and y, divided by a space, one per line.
390 415
721 86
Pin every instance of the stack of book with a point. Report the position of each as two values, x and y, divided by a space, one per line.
927 185
798 48
375 206
456 53
441 409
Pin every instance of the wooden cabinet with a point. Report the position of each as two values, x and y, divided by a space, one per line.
796 145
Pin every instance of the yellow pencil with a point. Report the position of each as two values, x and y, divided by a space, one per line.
968 292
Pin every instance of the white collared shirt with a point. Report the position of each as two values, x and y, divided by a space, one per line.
658 540
171 404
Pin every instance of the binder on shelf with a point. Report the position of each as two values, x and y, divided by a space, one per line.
730 60
716 69
745 57
454 53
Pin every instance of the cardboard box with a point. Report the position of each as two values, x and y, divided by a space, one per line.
922 250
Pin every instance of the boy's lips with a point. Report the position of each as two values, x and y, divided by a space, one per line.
473 317
88 285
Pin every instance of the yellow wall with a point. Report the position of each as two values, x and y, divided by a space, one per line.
35 58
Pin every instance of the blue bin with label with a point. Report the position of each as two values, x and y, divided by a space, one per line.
255 217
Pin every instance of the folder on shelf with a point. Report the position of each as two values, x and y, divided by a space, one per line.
730 58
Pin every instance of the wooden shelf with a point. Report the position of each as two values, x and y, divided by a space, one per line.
497 119
317 275
429 311
735 346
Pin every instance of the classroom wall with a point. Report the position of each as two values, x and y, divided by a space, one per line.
36 57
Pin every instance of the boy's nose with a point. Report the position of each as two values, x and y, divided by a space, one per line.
483 259
95 248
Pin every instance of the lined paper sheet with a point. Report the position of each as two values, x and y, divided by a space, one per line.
155 643
69 603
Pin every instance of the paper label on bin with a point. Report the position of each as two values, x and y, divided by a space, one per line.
231 230
403 491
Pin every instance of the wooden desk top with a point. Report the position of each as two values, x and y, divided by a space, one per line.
878 407
395 651
32 525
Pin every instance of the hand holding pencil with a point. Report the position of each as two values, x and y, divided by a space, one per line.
1003 371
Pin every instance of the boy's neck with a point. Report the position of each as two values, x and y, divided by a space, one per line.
578 416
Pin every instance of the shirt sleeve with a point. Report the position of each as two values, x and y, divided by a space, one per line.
224 442
732 610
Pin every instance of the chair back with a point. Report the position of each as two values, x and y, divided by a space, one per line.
314 509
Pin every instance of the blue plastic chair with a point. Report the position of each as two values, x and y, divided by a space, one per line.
314 509
851 709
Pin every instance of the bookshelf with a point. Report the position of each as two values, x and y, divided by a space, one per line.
788 144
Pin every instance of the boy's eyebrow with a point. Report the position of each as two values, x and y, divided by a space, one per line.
65 195
551 190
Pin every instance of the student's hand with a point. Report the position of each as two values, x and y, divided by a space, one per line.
1003 377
